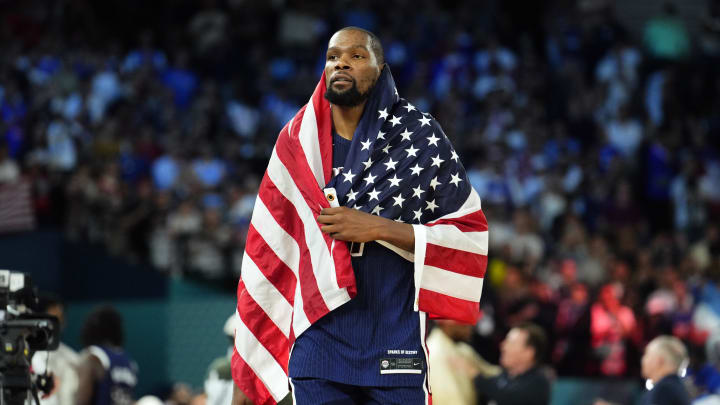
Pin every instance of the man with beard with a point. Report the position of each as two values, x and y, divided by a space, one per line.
416 244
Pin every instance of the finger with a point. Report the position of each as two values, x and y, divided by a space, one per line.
326 219
330 229
332 210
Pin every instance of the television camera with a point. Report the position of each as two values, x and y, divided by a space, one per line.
23 331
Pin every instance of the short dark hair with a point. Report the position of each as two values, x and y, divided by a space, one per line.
49 300
375 44
536 338
104 326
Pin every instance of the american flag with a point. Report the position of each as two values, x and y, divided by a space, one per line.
16 209
400 166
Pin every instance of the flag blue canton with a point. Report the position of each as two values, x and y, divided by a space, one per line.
400 165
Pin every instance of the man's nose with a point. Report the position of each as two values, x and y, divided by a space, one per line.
342 64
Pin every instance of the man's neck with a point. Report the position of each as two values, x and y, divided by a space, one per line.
346 119
660 374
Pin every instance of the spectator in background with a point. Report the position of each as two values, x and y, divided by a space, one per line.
522 381
663 364
450 384
62 363
219 382
572 351
106 372
612 326
9 169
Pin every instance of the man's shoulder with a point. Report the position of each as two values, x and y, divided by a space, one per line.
669 391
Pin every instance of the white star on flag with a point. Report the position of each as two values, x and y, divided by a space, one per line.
398 219
368 163
454 156
365 145
377 210
381 135
406 135
351 195
409 107
411 151
433 140
386 149
416 169
395 120
434 183
418 214
417 191
348 176
394 182
383 113
358 207
390 164
424 121
398 200
431 206
437 161
455 179
370 179
373 195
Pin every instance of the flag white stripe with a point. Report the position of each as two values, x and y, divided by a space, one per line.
452 284
450 236
286 248
322 263
471 204
423 344
310 144
272 302
419 255
260 361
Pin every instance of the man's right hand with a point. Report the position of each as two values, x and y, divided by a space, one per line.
239 398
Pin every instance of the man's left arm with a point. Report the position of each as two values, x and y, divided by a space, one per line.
449 254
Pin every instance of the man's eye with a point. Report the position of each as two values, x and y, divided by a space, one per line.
332 57
356 56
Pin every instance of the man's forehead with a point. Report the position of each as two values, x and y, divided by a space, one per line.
349 39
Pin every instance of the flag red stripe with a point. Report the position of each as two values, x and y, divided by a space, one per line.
274 269
292 156
458 261
264 329
473 222
440 306
248 382
287 217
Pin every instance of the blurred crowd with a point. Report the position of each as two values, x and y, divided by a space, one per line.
595 147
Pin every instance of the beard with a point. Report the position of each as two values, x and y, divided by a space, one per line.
348 98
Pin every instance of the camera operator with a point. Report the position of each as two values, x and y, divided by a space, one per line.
62 363
107 373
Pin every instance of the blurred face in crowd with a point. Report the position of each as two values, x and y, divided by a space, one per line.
609 296
58 311
515 354
351 68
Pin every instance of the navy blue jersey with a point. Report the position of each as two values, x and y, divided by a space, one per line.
375 339
118 384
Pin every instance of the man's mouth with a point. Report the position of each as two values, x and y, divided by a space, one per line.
341 79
